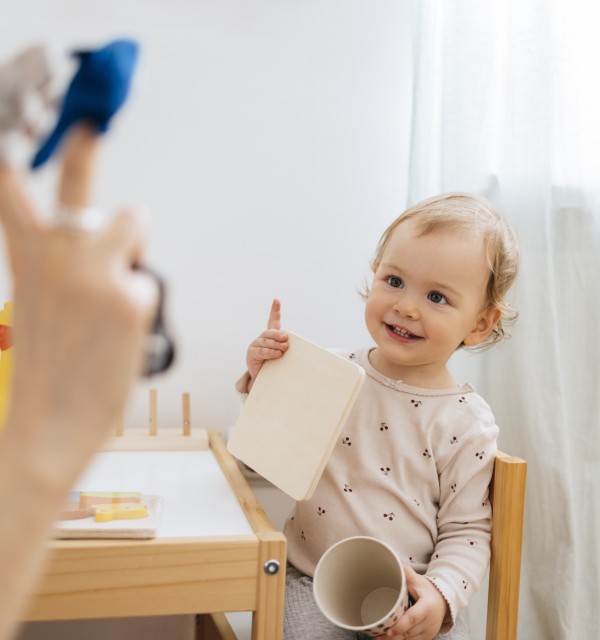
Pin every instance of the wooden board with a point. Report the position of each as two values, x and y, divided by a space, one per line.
294 414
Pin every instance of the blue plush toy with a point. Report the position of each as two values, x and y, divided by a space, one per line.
98 90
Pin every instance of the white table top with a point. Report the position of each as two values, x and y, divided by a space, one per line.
197 498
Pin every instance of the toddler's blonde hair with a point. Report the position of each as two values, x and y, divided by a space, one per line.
473 215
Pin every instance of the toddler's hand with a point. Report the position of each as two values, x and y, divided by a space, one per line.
269 345
424 619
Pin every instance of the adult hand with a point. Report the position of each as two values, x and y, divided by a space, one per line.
81 315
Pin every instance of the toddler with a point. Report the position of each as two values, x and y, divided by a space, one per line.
415 458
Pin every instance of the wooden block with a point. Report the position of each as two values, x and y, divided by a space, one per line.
294 414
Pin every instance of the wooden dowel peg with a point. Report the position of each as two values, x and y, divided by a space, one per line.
153 413
187 421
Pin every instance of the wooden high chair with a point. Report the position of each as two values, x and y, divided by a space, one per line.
507 495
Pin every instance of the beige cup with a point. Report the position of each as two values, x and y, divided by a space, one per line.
359 584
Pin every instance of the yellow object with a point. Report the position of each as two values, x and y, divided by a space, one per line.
6 361
120 511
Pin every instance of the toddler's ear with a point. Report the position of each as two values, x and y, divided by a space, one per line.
486 321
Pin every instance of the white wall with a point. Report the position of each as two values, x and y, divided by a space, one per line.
269 138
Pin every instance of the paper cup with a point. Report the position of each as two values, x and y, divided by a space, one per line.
359 585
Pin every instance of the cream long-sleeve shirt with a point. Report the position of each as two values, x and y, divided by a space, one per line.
411 467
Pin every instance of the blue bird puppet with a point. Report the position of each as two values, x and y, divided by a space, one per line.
97 91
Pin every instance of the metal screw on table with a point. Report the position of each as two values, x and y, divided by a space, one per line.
271 567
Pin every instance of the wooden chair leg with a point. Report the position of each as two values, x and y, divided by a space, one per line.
507 494
214 626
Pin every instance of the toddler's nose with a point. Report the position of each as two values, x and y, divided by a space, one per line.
406 306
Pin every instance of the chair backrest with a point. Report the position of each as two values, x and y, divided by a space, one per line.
507 495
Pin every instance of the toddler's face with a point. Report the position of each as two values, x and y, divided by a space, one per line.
428 297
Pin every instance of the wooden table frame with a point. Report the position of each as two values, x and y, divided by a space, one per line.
168 576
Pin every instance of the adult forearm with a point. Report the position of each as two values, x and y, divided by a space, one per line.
29 503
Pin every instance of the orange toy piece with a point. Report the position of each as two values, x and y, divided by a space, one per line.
94 498
6 341
74 511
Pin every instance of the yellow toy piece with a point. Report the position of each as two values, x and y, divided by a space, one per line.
120 511
6 360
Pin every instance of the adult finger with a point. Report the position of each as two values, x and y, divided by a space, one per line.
16 209
124 237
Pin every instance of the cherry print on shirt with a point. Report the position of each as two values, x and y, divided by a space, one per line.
472 543
302 535
426 454
384 470
462 399
320 511
480 454
389 516
416 403
383 427
453 487
352 356
347 488
453 440
416 502
411 560
346 440
465 584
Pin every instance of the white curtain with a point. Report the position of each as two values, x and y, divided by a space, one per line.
507 104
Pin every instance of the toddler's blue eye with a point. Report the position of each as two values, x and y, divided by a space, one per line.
437 297
395 281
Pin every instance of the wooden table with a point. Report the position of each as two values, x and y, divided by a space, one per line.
215 550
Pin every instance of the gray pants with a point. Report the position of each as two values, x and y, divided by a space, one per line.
304 621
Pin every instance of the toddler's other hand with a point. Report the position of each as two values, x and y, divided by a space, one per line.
269 345
424 619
